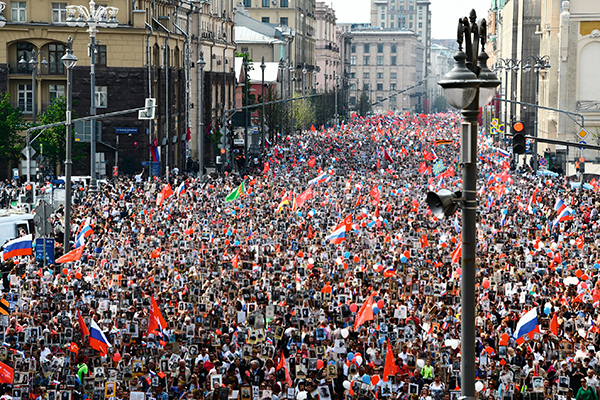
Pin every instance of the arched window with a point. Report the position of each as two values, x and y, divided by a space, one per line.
589 85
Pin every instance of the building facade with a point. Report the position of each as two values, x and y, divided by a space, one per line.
299 15
151 53
328 51
382 63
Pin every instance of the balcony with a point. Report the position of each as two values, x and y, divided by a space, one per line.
15 68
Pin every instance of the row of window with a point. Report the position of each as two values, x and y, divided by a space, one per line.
267 3
367 60
379 86
18 12
25 96
54 53
367 48
283 21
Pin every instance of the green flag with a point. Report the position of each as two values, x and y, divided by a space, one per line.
237 193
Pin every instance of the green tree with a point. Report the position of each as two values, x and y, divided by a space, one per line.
364 104
440 104
304 112
53 139
11 143
325 108
273 112
251 96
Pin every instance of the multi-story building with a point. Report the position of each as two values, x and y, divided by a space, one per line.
150 53
412 15
381 63
328 52
442 61
299 15
570 36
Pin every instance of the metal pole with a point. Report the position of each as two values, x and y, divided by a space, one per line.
535 122
262 93
245 112
335 115
505 105
68 184
469 245
200 138
93 184
282 68
28 151
34 63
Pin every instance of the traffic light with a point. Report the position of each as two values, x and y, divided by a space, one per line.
29 193
518 133
581 165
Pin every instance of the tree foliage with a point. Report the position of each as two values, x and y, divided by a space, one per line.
364 104
11 122
304 113
53 139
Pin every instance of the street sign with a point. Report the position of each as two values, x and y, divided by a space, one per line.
255 130
501 128
31 152
154 167
49 250
582 133
543 161
16 174
582 142
494 121
493 130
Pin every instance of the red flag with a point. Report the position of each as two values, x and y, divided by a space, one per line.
303 197
236 261
457 254
422 167
387 156
73 255
73 348
312 128
156 321
155 253
165 193
424 241
358 202
579 242
347 221
283 364
311 162
365 313
266 168
390 363
84 330
6 374
554 325
375 194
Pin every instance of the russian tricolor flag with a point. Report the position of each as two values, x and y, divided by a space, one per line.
527 325
180 189
324 177
155 150
337 236
559 206
97 339
18 247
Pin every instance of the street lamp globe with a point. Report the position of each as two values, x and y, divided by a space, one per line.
460 84
2 18
69 60
489 81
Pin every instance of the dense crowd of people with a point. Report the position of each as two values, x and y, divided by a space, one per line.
322 275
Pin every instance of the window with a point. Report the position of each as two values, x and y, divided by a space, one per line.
410 25
59 13
379 99
393 60
56 91
352 48
366 60
24 52
283 21
101 97
25 98
393 102
366 86
380 75
284 3
366 75
383 25
352 60
380 48
265 20
410 8
393 48
351 75
247 3
379 60
265 3
352 101
410 17
392 86
392 75
366 48
83 131
380 86
392 8
401 7
382 16
420 24
392 25
55 53
101 55
353 86
18 11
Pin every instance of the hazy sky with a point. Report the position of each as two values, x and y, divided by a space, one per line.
444 13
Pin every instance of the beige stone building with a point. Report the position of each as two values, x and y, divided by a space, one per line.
328 51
